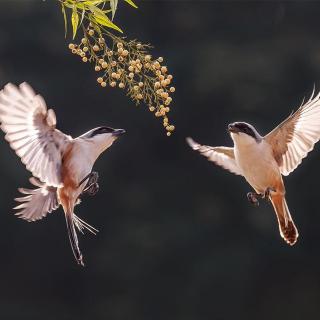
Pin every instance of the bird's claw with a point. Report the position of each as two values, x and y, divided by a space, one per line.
92 186
252 197
92 189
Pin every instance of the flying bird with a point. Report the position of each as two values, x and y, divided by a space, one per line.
61 166
263 160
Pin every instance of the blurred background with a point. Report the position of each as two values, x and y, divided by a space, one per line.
178 238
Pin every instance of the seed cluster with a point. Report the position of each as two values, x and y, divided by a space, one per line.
127 65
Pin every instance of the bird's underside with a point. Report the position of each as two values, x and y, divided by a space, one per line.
37 203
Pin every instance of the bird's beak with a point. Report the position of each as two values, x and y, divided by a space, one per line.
118 132
232 128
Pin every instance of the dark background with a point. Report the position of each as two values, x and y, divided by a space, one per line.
178 239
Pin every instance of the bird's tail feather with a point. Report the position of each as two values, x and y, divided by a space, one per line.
288 230
73 238
81 225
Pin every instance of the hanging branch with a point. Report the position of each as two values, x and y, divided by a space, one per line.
122 63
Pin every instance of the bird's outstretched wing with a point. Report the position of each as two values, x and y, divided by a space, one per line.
30 131
295 136
222 156
37 203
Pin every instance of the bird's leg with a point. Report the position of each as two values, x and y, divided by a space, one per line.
92 186
253 198
267 193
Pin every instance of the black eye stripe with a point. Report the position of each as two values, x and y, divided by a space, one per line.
102 130
243 127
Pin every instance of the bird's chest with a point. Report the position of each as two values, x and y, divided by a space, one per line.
77 164
257 164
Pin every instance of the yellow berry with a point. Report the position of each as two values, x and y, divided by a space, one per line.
96 47
152 109
113 84
164 69
131 75
160 59
164 95
113 75
147 58
99 80
136 88
168 134
91 32
101 61
125 53
139 45
172 89
84 59
120 59
84 40
121 85
170 77
131 68
97 68
119 45
71 46
82 54
103 84
139 96
140 84
163 83
157 85
104 65
74 51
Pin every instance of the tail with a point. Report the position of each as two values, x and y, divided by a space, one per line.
73 238
288 230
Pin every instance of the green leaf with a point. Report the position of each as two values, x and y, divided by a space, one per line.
131 3
100 17
113 6
65 19
75 21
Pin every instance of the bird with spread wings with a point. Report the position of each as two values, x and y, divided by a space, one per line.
262 160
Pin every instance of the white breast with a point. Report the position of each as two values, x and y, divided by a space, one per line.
256 162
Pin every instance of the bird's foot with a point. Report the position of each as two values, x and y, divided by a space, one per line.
253 198
92 189
92 186
267 193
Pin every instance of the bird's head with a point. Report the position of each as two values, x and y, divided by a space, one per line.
102 137
243 132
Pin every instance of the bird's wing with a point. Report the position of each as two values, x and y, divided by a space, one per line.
31 133
295 136
37 203
222 156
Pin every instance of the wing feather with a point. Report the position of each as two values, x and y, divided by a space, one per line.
36 203
222 156
31 133
295 137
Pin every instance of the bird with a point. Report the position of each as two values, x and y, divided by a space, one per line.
61 166
264 160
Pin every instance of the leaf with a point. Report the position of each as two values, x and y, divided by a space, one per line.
113 6
75 21
100 17
82 16
63 9
131 3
